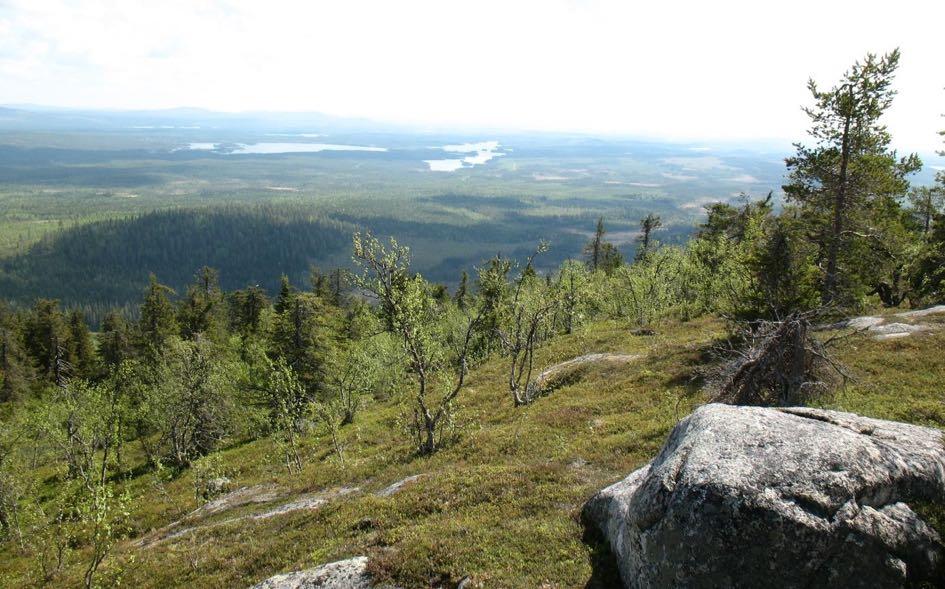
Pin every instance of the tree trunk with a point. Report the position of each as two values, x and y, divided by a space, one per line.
839 204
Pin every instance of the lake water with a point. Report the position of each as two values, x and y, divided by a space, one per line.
482 152
472 154
444 165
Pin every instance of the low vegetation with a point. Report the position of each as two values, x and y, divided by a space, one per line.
305 405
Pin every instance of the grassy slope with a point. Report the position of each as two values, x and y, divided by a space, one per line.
502 503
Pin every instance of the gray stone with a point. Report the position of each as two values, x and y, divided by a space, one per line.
863 322
893 328
793 497
564 372
313 501
896 330
858 323
937 310
395 488
344 574
237 498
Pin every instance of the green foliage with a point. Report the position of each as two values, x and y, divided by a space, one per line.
109 261
82 423
651 289
81 352
354 372
928 271
648 225
521 314
158 321
847 184
926 202
577 289
116 340
211 478
288 403
601 254
302 334
46 338
15 366
202 312
103 521
437 353
186 402
247 308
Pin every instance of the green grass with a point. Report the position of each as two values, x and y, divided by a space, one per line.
501 504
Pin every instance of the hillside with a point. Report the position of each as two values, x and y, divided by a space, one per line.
108 262
501 503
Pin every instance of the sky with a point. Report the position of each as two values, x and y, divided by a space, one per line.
700 70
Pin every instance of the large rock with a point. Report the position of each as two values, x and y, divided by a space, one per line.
793 497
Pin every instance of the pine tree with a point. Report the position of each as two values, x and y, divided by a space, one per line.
927 201
850 172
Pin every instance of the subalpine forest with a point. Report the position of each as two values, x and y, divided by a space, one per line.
175 387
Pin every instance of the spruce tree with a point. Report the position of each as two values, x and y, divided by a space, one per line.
81 350
115 340
157 321
14 369
285 294
462 291
302 336
247 309
593 249
648 225
47 339
203 309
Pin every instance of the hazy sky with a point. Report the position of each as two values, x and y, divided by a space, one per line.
700 69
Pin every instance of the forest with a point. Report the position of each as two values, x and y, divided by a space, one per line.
210 361
108 262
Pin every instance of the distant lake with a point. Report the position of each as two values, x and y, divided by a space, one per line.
444 165
272 148
483 152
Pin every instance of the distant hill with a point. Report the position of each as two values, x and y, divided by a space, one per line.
109 261
36 117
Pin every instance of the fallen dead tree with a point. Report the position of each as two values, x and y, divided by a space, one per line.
775 363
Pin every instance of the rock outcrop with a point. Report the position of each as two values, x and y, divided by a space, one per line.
238 498
397 487
570 370
792 497
344 574
881 328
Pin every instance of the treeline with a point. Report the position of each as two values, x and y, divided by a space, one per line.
110 260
